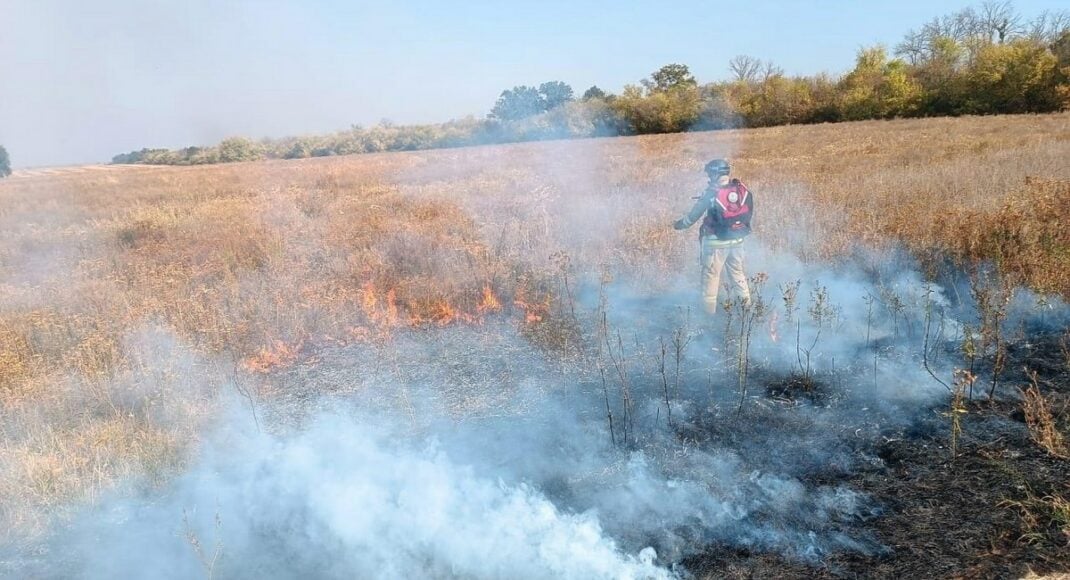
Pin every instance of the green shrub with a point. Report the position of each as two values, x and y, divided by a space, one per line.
5 162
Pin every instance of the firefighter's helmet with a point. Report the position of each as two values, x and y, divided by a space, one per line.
718 168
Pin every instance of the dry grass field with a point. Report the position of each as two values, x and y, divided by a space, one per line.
132 299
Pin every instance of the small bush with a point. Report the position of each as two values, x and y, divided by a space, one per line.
5 162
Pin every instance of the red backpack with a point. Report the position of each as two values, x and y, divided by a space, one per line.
731 208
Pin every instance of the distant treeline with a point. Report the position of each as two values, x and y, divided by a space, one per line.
978 61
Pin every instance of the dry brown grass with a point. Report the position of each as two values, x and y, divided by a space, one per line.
1041 421
1043 514
129 296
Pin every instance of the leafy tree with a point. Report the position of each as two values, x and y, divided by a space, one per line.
5 162
878 88
300 150
779 101
637 110
825 96
1015 77
554 94
898 94
518 103
941 79
131 157
859 88
1061 49
671 102
661 111
669 77
146 155
239 149
594 93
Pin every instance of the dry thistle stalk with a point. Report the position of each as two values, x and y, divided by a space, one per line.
992 293
659 358
820 309
751 310
681 337
563 263
895 306
600 339
925 349
1041 421
789 293
1064 345
969 350
963 382
208 561
869 299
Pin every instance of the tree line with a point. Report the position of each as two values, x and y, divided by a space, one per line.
981 60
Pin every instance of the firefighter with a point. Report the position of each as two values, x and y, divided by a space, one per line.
729 208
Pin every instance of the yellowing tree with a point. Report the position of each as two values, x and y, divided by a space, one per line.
239 149
1016 77
1061 49
671 102
878 88
776 100
668 111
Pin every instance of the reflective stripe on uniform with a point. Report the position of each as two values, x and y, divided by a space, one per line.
712 242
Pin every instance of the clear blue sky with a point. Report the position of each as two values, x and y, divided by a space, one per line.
85 79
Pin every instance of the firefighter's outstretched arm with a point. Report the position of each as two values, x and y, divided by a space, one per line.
695 214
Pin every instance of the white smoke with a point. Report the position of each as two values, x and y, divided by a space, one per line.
345 499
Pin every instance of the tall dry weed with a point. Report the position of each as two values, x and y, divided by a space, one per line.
1041 421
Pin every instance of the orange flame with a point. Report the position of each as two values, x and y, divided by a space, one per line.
443 313
391 308
490 302
369 302
533 312
380 312
275 355
383 314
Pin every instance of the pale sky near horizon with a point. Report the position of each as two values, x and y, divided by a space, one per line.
83 80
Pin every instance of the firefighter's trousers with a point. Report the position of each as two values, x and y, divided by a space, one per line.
720 256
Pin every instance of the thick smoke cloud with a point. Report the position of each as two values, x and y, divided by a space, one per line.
345 499
471 455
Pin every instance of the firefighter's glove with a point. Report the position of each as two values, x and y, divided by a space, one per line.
679 225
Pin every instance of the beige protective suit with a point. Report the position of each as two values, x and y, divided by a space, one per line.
717 256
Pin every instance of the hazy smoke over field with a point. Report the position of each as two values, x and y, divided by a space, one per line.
478 451
474 457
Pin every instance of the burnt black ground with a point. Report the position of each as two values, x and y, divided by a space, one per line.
939 516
